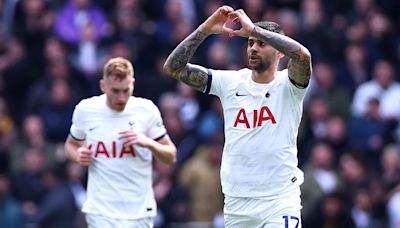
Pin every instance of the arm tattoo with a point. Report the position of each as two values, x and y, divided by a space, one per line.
300 59
177 65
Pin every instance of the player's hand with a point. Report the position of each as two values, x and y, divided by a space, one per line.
132 138
84 156
216 23
239 16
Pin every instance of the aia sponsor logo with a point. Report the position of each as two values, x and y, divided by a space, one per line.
259 117
100 149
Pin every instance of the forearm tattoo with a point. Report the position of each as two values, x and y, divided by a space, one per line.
300 60
178 66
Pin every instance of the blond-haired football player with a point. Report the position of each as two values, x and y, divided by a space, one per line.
116 135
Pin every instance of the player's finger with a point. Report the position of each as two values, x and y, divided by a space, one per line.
226 9
240 11
126 134
129 142
233 14
84 156
85 161
226 29
236 33
233 33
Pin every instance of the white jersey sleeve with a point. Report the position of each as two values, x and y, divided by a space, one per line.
220 81
156 126
77 130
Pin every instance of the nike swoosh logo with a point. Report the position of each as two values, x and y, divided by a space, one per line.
92 128
240 95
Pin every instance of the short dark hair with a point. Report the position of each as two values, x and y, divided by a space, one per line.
270 26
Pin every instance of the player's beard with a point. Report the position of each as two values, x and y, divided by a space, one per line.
262 65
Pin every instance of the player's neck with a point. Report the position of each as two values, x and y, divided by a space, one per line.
264 77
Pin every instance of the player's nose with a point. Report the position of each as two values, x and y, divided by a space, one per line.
122 98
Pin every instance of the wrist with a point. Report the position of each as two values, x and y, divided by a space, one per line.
253 31
202 30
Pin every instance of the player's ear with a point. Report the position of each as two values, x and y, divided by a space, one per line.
102 85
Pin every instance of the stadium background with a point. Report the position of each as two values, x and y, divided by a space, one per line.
51 56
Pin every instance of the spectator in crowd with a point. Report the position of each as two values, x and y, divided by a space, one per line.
333 212
18 75
10 209
32 135
56 69
393 207
321 179
75 16
200 177
211 122
170 195
370 132
57 207
353 70
383 87
56 110
390 166
186 141
27 186
354 173
8 129
324 85
362 210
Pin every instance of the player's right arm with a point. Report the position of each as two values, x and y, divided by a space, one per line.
177 64
77 152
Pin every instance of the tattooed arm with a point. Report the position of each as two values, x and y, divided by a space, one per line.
299 66
300 58
177 64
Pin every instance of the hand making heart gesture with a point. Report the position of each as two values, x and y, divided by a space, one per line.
247 26
217 22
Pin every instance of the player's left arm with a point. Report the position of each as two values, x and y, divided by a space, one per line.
299 66
163 149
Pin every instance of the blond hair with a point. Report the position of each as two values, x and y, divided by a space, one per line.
119 68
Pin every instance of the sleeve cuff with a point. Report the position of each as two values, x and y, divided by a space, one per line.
77 139
208 88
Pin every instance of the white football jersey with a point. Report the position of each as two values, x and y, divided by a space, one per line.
261 126
120 178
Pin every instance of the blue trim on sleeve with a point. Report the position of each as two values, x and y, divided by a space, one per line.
160 137
208 88
76 137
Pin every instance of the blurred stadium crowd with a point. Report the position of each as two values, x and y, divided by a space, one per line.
51 56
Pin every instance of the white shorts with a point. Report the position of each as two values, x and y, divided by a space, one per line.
99 221
261 212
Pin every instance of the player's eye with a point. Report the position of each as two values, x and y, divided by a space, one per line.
250 43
